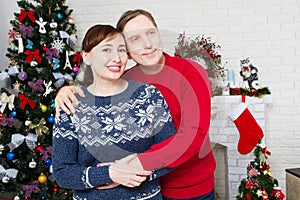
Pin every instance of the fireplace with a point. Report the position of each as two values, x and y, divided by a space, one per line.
231 165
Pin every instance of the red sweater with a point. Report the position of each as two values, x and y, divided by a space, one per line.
185 86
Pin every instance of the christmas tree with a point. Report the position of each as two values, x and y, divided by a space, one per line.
260 183
42 59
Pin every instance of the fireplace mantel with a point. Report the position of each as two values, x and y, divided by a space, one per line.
231 165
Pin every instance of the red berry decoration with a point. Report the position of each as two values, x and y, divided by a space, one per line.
38 148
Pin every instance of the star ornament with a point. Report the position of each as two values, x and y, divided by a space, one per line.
16 86
259 193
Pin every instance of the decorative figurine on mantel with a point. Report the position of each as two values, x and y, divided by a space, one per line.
249 74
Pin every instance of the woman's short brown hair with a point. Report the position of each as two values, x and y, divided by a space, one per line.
97 34
130 14
92 38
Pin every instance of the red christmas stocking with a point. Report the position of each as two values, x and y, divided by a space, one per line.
250 131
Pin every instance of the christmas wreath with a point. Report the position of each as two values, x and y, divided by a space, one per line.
201 49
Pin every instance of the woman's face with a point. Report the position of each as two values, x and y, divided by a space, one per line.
143 41
108 59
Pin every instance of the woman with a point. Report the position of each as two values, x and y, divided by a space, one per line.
118 117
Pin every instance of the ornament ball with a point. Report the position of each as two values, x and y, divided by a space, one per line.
10 155
60 15
42 178
38 148
51 119
75 69
32 164
22 76
55 189
53 24
16 198
71 20
27 122
13 113
43 107
48 162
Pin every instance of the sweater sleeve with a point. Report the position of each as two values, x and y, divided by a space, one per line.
192 136
163 128
66 169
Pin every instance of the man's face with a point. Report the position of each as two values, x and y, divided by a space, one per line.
143 41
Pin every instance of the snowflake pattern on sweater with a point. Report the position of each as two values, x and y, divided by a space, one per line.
105 129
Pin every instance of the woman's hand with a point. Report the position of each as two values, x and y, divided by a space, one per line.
122 173
65 99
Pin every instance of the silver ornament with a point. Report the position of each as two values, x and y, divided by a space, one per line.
5 179
32 164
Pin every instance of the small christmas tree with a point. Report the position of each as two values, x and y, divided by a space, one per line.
42 59
260 183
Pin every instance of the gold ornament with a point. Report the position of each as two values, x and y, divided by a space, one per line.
39 128
42 178
71 20
43 107
64 3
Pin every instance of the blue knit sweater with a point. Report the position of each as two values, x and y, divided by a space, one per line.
105 129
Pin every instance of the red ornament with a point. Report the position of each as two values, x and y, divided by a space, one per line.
38 148
265 194
24 14
1 116
265 152
27 198
26 101
55 190
249 184
33 54
277 193
248 196
77 58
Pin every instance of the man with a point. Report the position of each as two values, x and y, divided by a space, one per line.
185 86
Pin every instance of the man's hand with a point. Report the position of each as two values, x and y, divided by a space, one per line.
107 186
136 165
66 100
121 172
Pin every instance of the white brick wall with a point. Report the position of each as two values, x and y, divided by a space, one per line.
266 31
225 133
